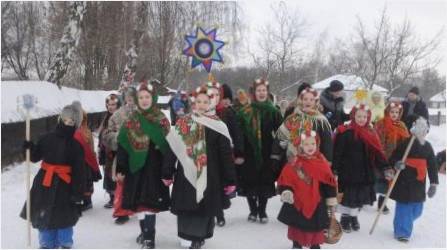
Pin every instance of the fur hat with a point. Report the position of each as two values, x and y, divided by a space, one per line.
72 112
335 86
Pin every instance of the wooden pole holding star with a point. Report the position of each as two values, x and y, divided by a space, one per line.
25 104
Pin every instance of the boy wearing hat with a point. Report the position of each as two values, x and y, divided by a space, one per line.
57 190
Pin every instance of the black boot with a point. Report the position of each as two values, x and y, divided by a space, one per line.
315 246
196 244
110 203
87 203
148 232
140 236
120 220
263 218
296 245
355 223
220 218
379 204
253 205
345 222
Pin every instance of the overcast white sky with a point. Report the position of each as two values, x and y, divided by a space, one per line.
338 17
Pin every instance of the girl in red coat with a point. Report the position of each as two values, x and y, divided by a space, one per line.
307 188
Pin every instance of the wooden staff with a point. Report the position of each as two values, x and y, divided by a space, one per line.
28 176
404 158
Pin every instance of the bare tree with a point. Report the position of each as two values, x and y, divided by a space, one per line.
279 44
390 55
16 52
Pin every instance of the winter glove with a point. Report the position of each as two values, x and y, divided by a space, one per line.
399 165
389 174
78 204
27 145
239 161
167 182
287 197
331 211
229 189
431 190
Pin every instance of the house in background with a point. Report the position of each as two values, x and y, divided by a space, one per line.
436 108
351 84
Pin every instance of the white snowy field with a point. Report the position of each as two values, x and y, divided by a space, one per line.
96 228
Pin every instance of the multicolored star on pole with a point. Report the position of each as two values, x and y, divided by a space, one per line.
203 47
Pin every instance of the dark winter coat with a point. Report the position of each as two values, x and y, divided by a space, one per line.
102 154
228 116
290 216
259 180
54 207
351 162
333 109
420 109
220 173
143 188
408 188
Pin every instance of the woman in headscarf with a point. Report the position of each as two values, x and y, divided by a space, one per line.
141 150
202 145
259 121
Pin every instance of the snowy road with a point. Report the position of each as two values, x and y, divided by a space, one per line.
97 230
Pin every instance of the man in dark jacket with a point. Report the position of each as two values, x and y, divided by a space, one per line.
332 102
57 191
413 106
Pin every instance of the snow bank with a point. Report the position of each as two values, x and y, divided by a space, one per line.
50 99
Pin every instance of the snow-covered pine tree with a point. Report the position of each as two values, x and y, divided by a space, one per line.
132 54
69 41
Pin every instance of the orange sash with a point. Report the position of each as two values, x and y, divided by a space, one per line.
63 171
420 165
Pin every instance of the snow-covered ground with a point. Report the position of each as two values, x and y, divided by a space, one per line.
96 229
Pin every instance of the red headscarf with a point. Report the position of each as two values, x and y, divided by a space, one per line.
395 130
306 190
304 176
84 136
365 133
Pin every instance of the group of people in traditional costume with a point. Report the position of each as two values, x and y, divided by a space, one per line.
319 159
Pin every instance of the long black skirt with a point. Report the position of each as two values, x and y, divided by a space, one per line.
195 227
357 196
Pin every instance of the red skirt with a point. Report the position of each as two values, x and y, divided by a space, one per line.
118 210
305 238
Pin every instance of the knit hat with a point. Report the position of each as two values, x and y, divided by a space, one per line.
227 93
414 90
71 112
335 86
302 87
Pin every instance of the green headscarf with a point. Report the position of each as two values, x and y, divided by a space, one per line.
251 117
142 127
